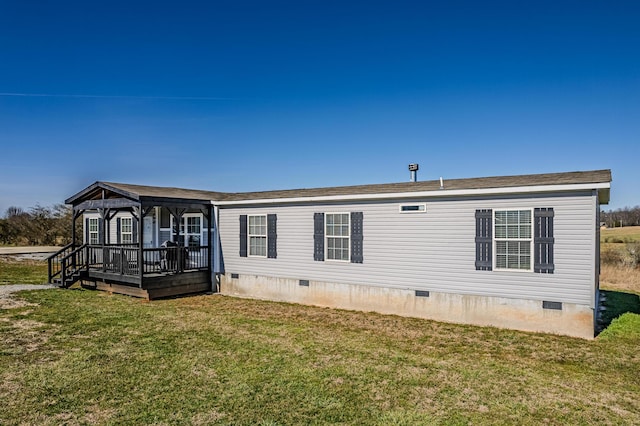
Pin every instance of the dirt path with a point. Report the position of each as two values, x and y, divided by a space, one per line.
8 302
29 250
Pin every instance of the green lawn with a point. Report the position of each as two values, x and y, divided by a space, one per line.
22 272
83 357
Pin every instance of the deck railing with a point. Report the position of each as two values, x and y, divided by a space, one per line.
65 264
163 260
55 261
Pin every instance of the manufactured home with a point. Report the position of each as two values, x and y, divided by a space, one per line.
518 252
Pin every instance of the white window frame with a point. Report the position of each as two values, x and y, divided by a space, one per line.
422 208
257 236
126 234
495 240
327 237
94 236
184 228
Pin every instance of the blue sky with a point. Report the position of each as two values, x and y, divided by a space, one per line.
247 96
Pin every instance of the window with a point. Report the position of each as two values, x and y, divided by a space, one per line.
193 231
193 225
337 236
257 234
126 230
93 231
513 239
190 230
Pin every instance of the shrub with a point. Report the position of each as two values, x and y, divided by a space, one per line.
611 256
632 257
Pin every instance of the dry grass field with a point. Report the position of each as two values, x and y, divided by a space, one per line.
620 235
620 254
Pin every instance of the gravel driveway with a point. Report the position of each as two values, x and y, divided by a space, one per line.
8 302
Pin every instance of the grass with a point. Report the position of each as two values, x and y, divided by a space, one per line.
22 271
628 234
83 357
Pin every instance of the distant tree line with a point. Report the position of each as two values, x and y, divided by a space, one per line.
627 216
38 225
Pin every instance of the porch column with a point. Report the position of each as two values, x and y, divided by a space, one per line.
137 214
177 214
210 272
74 216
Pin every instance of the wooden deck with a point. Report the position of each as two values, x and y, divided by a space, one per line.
164 272
153 286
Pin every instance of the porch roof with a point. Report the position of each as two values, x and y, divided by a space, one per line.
120 195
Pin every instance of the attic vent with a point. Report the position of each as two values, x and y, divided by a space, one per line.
413 208
422 293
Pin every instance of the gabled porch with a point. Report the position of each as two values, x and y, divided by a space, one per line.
135 263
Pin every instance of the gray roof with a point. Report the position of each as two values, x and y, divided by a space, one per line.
596 176
142 191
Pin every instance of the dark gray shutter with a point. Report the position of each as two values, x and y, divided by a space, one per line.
484 240
272 236
243 235
543 240
356 237
318 236
87 239
134 230
119 230
101 239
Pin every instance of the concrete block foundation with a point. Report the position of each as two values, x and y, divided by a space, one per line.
519 314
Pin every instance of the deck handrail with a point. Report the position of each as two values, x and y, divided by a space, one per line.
68 268
54 261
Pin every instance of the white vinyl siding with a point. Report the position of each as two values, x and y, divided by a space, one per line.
337 236
94 233
126 230
433 251
257 235
513 239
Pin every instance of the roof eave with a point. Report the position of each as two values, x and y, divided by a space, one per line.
96 185
602 187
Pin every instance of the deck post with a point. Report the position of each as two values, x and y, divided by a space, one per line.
177 214
138 212
74 216
209 247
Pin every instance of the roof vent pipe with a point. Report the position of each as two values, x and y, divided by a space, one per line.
441 183
413 168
